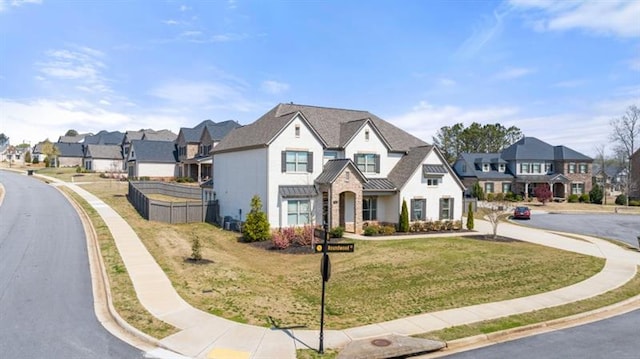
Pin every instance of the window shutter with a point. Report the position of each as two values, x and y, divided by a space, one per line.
377 161
451 208
424 209
284 161
441 204
309 162
413 215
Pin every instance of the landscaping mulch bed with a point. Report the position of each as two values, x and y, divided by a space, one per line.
489 237
292 249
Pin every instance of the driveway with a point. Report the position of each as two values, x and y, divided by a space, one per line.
622 227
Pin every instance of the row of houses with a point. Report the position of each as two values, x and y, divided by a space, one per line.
317 165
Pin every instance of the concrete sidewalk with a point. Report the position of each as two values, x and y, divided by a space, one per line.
203 335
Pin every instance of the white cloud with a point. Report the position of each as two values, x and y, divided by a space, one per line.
611 17
82 65
35 120
171 22
184 8
206 95
274 87
581 130
4 4
487 30
513 73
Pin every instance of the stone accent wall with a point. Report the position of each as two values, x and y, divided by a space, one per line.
347 182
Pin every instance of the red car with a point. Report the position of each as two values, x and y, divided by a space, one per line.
522 213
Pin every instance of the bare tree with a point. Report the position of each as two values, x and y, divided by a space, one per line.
601 159
496 211
625 132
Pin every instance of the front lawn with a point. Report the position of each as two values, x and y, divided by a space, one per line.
382 280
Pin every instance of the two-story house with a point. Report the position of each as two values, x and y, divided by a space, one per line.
315 165
195 144
526 164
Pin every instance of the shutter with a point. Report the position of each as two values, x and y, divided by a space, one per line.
451 206
284 161
441 204
413 215
424 209
377 161
310 162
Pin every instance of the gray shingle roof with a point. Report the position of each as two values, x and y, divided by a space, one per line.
162 135
71 139
333 168
192 135
407 165
154 151
297 191
564 153
105 138
326 122
219 130
379 184
70 149
111 152
474 163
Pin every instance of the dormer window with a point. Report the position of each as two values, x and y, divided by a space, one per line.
486 167
501 168
366 135
297 131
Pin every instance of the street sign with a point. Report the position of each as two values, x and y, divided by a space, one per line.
335 247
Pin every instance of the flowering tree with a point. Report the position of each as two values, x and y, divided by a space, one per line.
543 194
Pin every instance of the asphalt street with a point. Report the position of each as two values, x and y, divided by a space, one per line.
46 301
622 227
615 337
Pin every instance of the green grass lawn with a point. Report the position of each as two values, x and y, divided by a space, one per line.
382 280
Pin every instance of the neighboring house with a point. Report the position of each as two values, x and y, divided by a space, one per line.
12 154
74 139
154 159
634 184
162 135
613 178
195 144
145 134
36 152
105 138
103 158
524 165
315 165
71 154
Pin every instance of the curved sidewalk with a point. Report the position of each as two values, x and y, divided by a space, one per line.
203 335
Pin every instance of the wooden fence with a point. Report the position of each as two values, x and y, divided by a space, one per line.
197 207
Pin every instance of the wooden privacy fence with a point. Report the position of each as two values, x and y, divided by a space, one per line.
197 207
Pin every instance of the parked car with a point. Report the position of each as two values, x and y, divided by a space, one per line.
522 212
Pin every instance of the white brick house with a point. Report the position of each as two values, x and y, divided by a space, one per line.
312 164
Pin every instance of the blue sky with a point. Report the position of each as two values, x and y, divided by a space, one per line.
559 71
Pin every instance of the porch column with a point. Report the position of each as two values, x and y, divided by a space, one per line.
526 190
199 172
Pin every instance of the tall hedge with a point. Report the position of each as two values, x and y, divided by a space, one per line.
470 217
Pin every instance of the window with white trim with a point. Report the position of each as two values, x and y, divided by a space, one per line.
536 168
433 181
298 212
572 167
368 162
577 188
486 167
548 168
488 187
524 168
502 168
366 135
583 168
297 161
418 209
297 131
506 187
446 208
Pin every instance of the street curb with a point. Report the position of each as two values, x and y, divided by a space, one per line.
483 340
104 309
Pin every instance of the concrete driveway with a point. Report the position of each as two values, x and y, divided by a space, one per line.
622 227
